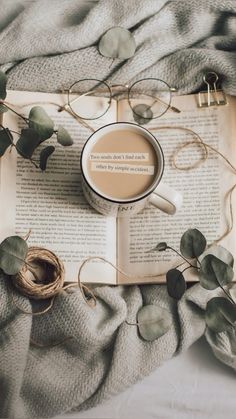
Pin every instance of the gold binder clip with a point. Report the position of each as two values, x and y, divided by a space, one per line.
212 96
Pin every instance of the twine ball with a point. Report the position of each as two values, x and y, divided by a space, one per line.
44 286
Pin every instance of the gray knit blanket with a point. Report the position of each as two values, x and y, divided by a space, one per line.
43 46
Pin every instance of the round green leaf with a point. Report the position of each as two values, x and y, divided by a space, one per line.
117 42
44 155
28 142
220 252
5 140
153 322
63 137
214 272
220 314
13 251
41 123
142 113
176 285
192 243
3 85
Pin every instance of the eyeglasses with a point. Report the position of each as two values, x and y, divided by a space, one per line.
149 98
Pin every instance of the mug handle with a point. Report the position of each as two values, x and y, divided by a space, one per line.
166 199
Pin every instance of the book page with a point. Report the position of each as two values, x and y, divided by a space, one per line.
204 189
51 203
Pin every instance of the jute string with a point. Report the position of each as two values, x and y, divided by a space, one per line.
38 288
205 153
33 287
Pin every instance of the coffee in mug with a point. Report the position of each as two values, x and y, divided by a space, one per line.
122 166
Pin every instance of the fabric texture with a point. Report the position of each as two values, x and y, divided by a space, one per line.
46 46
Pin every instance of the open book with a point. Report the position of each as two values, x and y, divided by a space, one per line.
52 205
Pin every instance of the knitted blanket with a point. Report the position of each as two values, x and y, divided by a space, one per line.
43 46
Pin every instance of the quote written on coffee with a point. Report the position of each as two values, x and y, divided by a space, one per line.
104 162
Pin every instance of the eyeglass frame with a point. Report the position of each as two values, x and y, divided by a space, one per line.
110 89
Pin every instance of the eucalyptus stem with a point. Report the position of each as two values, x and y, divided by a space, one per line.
25 156
154 321
179 254
14 145
15 112
34 163
198 261
131 324
185 269
226 293
15 132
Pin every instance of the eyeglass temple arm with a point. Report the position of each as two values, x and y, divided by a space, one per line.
62 108
157 99
80 120
173 108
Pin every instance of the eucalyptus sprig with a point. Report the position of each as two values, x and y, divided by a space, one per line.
39 128
214 267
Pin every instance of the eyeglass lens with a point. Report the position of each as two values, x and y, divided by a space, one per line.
89 98
149 99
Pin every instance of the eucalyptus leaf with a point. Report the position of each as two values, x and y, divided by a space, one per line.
117 42
28 142
214 272
63 137
220 252
5 140
220 314
142 113
176 285
3 85
3 108
44 155
153 322
13 251
41 122
192 243
161 247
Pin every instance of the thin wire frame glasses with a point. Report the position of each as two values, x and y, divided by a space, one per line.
90 99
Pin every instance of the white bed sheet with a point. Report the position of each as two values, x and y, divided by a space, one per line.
193 385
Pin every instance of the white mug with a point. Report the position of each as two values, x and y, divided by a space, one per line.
158 194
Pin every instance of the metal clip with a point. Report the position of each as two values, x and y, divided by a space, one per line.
212 96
